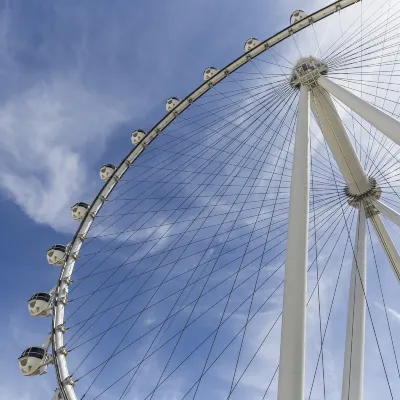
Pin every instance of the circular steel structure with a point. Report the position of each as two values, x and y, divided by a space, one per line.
362 191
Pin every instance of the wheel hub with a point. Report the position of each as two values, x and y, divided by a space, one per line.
307 71
367 197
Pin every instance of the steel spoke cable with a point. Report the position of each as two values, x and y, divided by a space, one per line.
331 307
360 29
330 310
379 77
323 222
191 352
318 286
147 271
310 297
229 297
208 368
384 138
193 145
332 130
199 228
258 58
352 34
99 287
355 139
149 348
351 80
383 302
198 241
360 91
355 57
204 164
188 220
331 226
346 67
368 156
367 306
326 222
268 218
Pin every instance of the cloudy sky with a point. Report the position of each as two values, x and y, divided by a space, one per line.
76 79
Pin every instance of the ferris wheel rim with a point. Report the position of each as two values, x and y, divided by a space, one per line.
59 353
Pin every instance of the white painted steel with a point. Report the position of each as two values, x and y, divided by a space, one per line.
66 273
353 370
376 117
336 136
293 336
387 244
388 212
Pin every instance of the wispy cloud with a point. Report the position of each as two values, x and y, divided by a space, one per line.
45 134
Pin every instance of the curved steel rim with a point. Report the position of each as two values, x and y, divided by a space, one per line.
65 382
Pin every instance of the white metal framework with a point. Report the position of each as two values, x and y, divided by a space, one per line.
318 96
292 359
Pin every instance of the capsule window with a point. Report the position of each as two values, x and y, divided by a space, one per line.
37 352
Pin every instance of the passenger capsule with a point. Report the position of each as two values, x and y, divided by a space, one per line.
251 44
39 305
79 211
172 102
137 136
297 16
106 171
56 254
57 395
209 73
33 361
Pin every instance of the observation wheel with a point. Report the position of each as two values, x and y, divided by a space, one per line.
253 209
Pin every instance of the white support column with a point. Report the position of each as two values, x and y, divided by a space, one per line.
353 370
293 336
376 117
387 244
331 125
388 212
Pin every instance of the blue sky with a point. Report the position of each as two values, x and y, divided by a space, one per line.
76 79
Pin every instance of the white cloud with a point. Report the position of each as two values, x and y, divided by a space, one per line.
394 314
45 136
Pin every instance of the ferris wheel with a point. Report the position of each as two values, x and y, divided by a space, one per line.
247 213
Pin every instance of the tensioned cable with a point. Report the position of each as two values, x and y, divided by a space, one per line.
323 222
226 302
206 160
172 351
384 303
331 226
369 311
